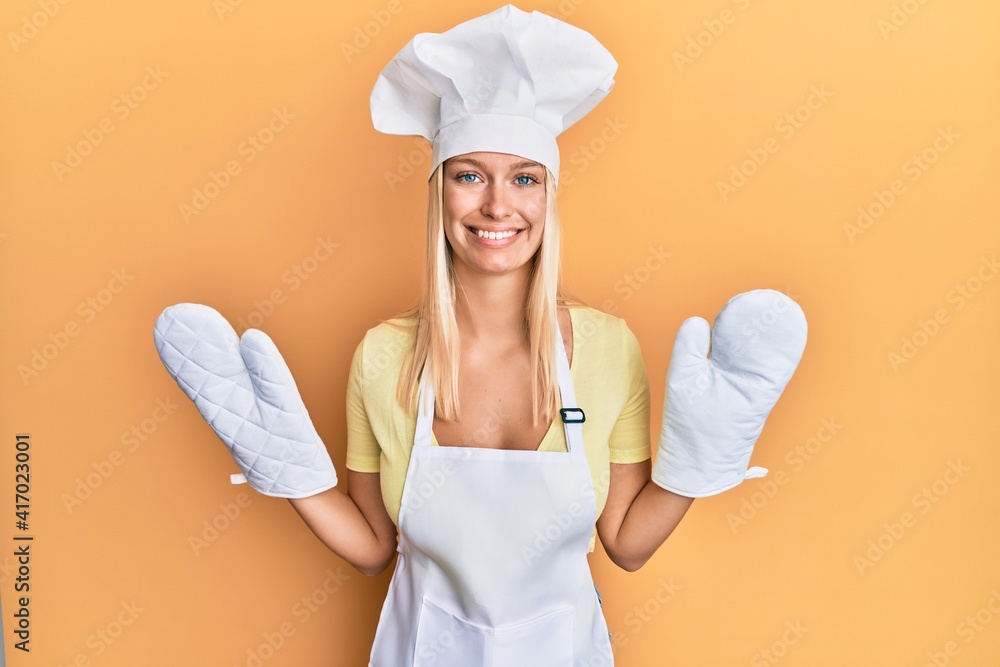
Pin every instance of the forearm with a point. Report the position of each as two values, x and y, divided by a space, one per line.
336 520
650 519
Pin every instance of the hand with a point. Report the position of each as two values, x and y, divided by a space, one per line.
246 393
715 407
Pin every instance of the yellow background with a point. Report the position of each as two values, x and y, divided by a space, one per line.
818 570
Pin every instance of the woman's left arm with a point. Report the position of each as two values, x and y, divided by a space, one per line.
638 516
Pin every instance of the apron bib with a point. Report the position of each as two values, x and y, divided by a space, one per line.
492 564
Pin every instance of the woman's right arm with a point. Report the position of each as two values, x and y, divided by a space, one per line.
354 525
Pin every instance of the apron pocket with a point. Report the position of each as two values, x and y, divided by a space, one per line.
544 640
445 639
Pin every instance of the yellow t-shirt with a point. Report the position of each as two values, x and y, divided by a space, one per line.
609 381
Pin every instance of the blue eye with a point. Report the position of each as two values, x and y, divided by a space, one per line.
523 180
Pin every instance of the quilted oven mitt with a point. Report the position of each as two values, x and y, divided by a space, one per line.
715 406
246 393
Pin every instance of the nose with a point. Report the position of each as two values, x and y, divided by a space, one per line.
497 201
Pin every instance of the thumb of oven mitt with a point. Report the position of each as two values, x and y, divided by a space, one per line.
715 406
244 390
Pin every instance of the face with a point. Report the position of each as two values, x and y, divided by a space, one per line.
493 192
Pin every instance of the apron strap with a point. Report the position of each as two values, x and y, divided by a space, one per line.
571 415
425 409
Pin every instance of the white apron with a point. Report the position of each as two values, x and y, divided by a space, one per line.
492 564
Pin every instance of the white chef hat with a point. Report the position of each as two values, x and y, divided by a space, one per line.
505 82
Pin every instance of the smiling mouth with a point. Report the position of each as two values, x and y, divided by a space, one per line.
494 235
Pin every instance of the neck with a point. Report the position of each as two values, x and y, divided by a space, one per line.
490 308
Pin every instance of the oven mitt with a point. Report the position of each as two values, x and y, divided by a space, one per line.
246 393
715 406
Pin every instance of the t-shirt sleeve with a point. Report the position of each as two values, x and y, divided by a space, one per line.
629 440
363 450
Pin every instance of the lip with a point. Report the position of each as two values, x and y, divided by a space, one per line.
495 243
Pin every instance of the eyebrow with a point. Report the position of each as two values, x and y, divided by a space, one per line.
520 165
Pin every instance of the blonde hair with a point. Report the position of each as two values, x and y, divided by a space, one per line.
437 335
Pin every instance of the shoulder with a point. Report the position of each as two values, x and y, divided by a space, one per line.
383 347
594 314
606 340
593 324
392 332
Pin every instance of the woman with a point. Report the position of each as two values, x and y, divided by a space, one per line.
458 465
493 535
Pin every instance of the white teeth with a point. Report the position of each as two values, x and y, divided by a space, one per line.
495 235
